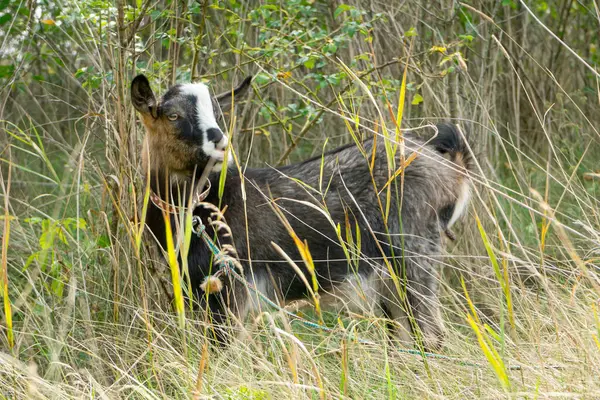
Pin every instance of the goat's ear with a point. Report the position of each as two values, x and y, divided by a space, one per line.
224 99
142 96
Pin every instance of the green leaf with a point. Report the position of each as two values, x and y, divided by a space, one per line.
30 259
411 32
417 99
81 223
310 63
6 70
330 48
342 8
5 18
46 240
542 6
103 242
58 61
58 287
61 235
155 14
262 79
80 72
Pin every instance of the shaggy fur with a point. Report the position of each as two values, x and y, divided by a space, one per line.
407 246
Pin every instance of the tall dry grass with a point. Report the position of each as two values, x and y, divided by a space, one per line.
86 304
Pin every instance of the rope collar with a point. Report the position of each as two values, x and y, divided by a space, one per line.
197 197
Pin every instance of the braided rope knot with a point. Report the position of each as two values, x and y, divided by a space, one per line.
222 258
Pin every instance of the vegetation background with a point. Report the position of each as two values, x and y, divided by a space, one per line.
86 310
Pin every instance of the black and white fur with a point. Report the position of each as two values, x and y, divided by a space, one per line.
182 134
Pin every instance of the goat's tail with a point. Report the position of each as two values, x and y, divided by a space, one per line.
450 142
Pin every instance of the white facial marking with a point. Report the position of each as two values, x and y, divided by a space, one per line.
204 108
206 121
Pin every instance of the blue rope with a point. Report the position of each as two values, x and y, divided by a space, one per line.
199 229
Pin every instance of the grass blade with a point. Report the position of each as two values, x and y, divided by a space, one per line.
4 266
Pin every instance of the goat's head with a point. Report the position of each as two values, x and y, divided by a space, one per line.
182 130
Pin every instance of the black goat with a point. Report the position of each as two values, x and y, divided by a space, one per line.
395 270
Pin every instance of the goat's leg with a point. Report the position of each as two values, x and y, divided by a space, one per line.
394 308
225 309
422 296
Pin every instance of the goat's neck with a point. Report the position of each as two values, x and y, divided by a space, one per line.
178 183
171 185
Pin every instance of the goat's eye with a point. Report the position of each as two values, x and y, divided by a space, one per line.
173 117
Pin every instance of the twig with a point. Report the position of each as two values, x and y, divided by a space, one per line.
560 41
310 124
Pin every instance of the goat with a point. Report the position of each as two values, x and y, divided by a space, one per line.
395 272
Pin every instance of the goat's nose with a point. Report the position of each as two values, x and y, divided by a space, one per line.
214 135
